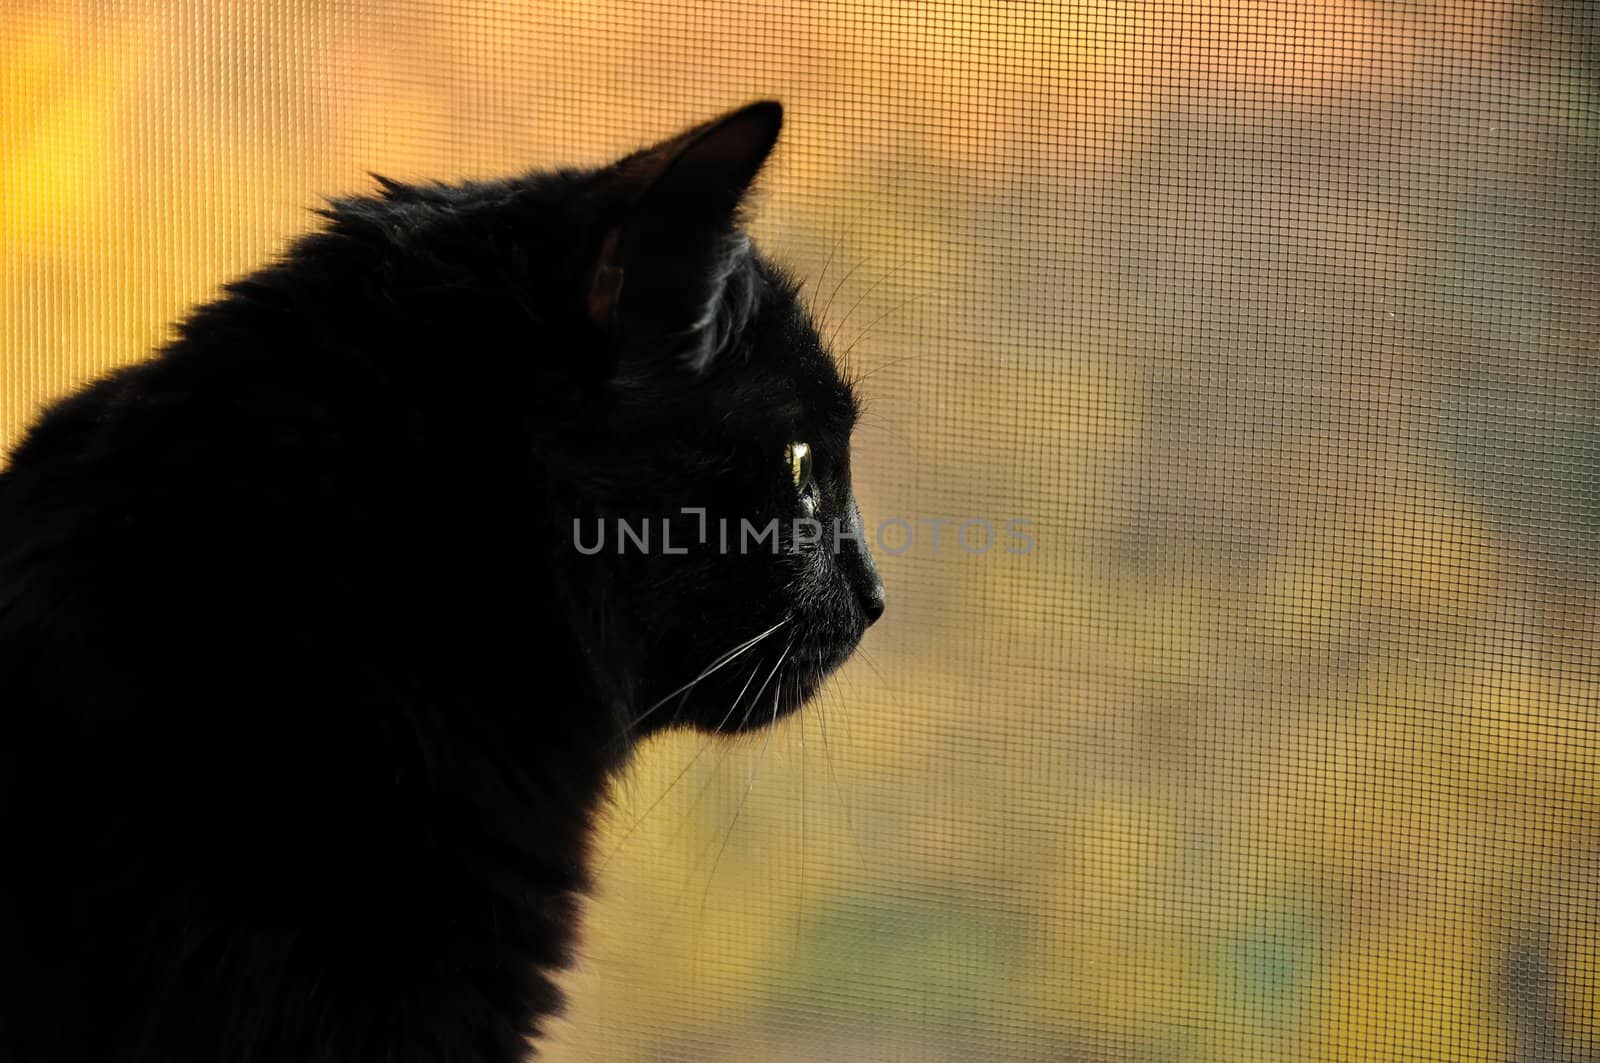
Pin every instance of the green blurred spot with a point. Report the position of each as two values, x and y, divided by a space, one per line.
1267 967
908 959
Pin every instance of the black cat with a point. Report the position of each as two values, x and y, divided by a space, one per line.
314 665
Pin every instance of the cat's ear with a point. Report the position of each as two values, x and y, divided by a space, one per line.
660 270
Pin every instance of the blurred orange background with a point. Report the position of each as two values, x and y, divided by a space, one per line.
1277 320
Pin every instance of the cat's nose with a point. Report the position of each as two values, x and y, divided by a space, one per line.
868 584
872 599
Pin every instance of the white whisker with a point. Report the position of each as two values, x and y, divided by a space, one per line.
717 665
755 769
705 745
781 658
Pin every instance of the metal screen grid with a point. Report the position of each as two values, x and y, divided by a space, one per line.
1276 321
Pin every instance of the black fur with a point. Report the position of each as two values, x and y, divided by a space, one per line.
309 694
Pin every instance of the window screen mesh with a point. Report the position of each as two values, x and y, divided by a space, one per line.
1279 325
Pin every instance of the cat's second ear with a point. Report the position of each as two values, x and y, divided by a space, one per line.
660 271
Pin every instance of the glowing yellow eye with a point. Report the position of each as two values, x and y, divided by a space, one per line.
799 455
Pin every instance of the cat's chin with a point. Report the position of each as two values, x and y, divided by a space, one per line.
802 675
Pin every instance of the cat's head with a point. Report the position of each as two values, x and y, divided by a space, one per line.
722 531
690 429
697 455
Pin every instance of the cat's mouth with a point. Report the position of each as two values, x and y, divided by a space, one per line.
821 663
754 682
799 673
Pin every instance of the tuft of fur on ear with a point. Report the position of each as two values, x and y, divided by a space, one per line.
666 271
